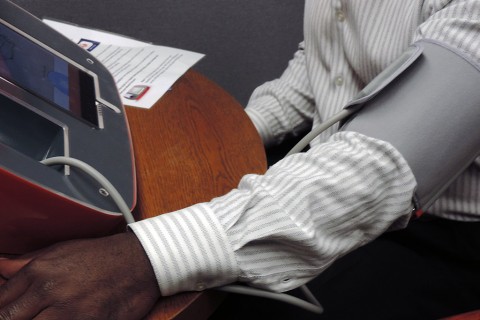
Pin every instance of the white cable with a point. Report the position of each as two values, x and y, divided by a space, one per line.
92 172
314 307
305 141
309 295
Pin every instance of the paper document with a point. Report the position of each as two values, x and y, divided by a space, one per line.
142 71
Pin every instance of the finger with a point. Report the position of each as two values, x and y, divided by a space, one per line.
10 267
25 307
12 290
53 313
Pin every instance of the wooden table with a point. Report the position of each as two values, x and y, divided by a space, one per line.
194 144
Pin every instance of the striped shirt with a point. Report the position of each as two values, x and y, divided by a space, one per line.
279 230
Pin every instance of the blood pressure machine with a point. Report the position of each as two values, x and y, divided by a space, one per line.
57 102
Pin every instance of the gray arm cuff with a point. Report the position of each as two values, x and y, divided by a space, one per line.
427 106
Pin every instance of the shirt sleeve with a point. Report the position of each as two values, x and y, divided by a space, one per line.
284 106
279 230
453 23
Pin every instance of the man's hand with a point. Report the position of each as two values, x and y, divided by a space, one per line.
107 278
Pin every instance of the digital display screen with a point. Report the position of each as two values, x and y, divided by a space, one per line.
46 75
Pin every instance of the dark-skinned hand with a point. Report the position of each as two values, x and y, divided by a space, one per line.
105 278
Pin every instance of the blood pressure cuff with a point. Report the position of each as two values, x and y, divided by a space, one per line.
427 105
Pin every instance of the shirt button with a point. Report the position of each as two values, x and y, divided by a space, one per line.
339 81
340 15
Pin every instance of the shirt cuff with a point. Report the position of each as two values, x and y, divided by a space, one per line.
188 249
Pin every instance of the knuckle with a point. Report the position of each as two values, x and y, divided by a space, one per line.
48 286
43 284
44 289
9 313
5 316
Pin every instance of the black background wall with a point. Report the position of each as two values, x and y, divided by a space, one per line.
246 42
